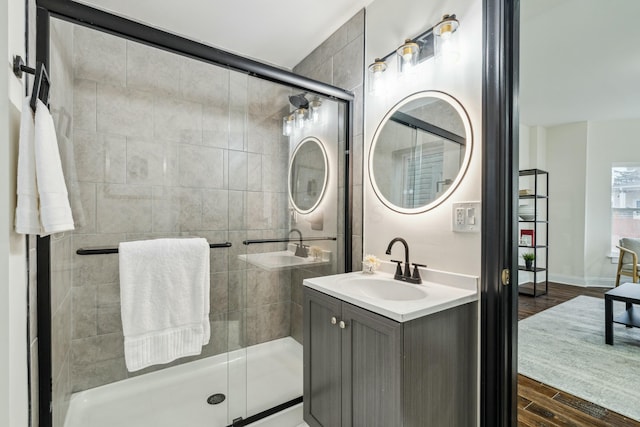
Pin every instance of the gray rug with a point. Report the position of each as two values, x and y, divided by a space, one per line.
564 347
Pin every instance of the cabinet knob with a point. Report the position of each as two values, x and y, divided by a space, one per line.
342 324
334 320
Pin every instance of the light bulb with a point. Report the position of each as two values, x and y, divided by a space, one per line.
300 114
315 110
287 125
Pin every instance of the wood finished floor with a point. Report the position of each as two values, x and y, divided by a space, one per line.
540 405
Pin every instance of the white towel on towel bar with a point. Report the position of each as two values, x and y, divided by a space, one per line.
164 292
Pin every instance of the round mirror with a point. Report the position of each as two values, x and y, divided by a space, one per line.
307 175
420 152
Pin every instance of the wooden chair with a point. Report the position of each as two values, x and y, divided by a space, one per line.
628 259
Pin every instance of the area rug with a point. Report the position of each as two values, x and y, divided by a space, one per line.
564 347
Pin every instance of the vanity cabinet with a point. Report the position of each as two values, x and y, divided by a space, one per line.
363 369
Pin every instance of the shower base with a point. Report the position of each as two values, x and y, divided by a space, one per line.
269 374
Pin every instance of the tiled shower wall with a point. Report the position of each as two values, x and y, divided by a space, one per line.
61 36
338 61
168 146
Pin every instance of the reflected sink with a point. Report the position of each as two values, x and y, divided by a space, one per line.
381 288
280 260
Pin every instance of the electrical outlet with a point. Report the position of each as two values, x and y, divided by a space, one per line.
460 216
466 217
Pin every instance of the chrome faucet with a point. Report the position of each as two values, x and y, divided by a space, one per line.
301 250
406 276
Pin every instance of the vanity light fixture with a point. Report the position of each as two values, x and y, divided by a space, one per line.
305 110
416 50
446 40
407 55
376 76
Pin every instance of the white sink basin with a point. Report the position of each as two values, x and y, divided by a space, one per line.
397 300
381 288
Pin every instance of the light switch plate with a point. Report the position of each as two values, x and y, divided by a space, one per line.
466 217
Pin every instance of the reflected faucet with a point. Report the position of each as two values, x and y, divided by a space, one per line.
301 250
406 276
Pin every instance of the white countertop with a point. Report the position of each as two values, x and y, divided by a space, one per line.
439 297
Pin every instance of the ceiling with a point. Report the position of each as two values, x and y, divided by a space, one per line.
277 32
579 60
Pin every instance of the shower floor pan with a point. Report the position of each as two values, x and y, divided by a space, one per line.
270 374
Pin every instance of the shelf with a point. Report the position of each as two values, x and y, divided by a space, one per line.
536 269
533 196
537 213
528 172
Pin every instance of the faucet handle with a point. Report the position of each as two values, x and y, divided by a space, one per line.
398 267
416 272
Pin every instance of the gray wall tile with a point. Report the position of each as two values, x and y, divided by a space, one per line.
215 209
203 83
178 120
84 312
147 161
123 209
348 65
124 111
94 374
201 167
254 172
152 69
237 170
84 105
176 209
215 125
99 56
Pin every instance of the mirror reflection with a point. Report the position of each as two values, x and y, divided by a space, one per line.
307 175
419 150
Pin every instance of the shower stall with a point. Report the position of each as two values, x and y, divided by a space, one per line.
164 137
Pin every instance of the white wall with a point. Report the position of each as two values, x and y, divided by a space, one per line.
13 339
566 164
429 234
608 142
579 157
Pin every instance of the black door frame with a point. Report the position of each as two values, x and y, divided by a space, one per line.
499 278
103 21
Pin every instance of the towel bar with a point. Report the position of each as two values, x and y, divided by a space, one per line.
106 250
286 240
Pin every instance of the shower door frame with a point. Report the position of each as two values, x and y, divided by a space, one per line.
96 19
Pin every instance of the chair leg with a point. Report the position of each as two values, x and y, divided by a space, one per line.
617 279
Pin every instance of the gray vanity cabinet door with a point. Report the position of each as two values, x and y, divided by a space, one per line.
322 350
371 369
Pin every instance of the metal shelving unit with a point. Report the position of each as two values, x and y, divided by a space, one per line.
540 227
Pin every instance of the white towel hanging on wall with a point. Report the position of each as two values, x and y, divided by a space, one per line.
43 203
55 211
27 220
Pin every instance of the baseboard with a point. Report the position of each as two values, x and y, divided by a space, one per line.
603 282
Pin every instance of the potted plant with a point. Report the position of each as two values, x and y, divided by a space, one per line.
528 259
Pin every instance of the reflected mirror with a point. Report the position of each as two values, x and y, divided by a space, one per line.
420 152
307 175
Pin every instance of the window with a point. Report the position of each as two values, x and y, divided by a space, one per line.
625 203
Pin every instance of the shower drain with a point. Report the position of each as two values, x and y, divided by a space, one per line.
214 399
